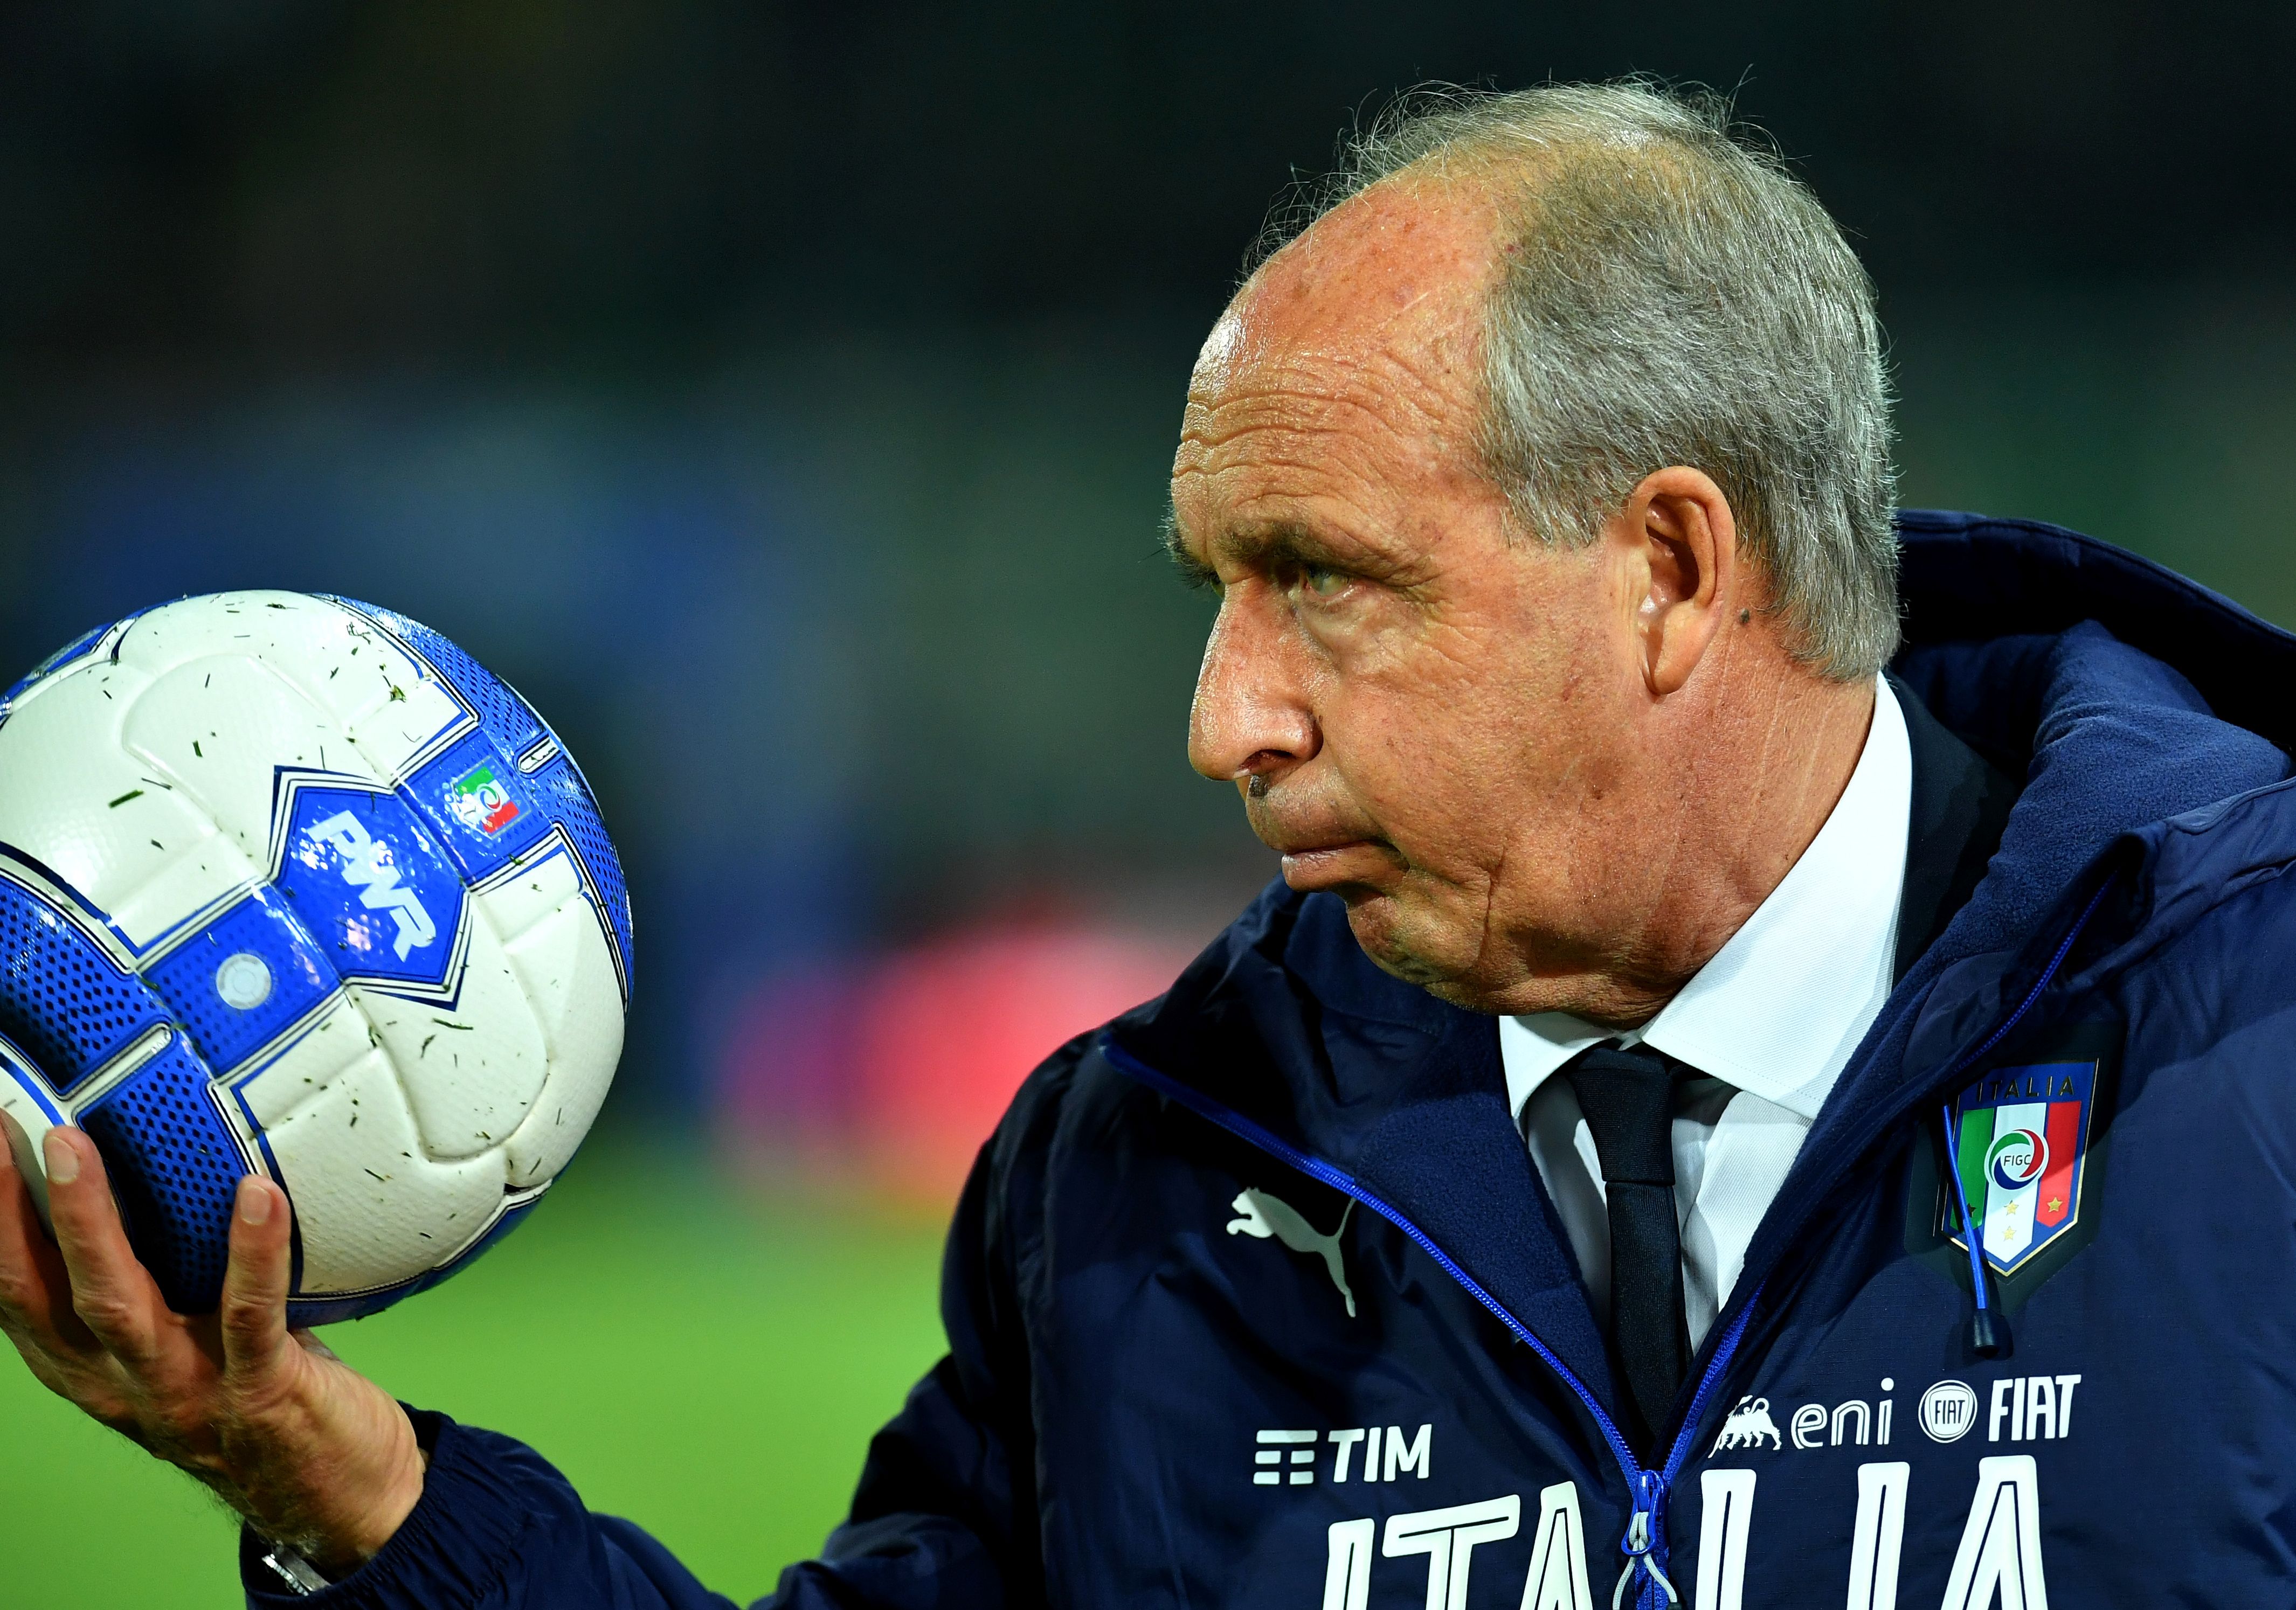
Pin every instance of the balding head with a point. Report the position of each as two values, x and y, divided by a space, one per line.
1668 293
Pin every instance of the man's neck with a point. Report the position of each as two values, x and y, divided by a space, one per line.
1757 784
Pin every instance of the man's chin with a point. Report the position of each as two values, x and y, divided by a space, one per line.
1384 935
1384 930
1402 949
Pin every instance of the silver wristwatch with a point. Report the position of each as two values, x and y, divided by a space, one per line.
300 1576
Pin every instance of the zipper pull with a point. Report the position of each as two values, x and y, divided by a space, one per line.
1641 1536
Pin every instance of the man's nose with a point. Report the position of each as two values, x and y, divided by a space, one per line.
1251 716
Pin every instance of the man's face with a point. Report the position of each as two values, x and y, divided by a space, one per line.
1425 715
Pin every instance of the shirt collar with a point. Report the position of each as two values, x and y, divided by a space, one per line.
1779 1008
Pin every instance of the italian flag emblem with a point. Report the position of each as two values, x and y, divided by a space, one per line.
2020 1138
480 803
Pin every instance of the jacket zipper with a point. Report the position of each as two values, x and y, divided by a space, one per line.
1644 1544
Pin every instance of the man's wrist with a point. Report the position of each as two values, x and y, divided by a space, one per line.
480 1495
310 1553
338 1556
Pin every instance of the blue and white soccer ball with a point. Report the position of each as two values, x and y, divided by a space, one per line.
289 884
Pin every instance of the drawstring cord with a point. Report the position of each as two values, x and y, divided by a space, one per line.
1989 1332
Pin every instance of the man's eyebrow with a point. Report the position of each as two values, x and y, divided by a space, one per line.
1280 544
1193 571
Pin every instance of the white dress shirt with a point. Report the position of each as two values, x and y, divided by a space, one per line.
1770 1021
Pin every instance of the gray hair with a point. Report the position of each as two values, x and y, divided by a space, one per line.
1673 294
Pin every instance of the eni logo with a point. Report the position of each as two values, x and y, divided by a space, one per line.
367 867
1748 1424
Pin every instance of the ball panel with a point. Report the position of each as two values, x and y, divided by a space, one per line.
532 893
369 693
303 1311
175 1167
62 998
471 1070
567 796
153 836
243 979
219 729
210 866
568 975
294 1075
507 718
73 799
371 1210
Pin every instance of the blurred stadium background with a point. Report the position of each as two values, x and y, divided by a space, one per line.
781 396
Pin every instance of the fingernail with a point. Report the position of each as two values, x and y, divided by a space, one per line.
254 1202
62 1161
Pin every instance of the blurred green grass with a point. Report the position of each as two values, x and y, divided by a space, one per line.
708 1364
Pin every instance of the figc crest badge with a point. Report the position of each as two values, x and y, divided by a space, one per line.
2021 1140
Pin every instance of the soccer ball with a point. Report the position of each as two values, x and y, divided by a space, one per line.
290 885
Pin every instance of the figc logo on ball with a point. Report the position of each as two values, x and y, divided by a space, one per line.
480 803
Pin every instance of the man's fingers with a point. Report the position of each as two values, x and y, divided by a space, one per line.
254 1312
34 1290
111 1290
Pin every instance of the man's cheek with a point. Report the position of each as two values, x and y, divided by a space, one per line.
1390 756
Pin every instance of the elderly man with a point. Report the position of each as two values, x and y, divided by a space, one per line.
1700 1119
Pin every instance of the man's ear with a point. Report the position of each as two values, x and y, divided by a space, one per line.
1679 540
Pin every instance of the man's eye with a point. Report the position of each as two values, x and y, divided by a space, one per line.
1323 581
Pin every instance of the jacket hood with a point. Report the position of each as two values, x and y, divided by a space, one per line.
2121 693
1965 580
2125 697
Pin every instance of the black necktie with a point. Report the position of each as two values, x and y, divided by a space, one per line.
1627 1098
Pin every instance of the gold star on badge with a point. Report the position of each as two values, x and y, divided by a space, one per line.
2056 1205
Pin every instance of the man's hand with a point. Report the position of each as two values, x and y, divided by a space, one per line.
311 1452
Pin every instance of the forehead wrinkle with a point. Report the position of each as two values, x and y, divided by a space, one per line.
1293 472
1335 360
1235 436
1417 395
1303 395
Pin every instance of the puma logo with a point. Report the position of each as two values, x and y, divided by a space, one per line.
1265 1216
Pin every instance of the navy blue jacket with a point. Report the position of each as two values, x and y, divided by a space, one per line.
1388 1389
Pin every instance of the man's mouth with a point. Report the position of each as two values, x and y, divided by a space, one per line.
1333 863
1323 847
